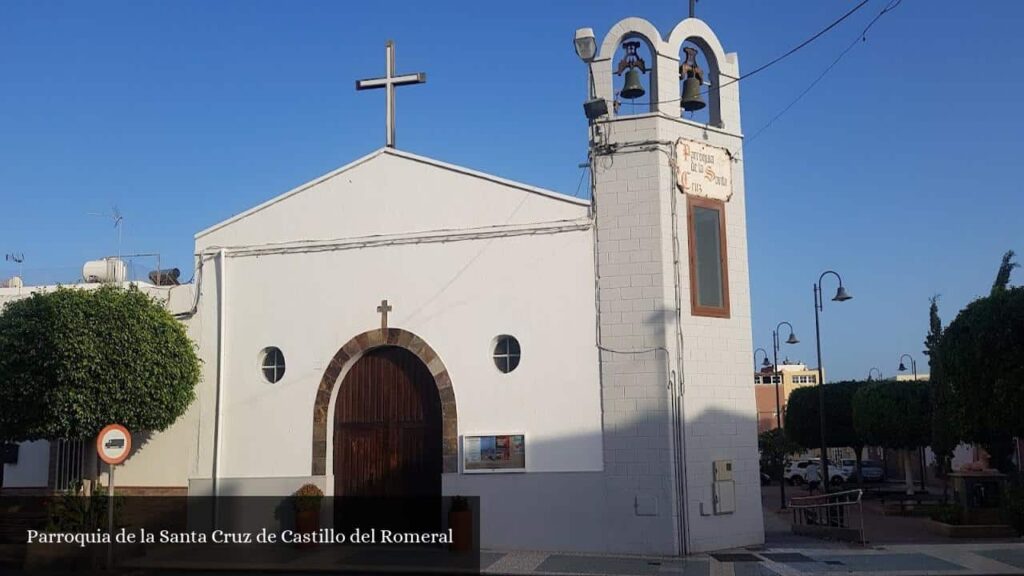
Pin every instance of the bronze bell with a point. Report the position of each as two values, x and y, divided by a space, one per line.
691 100
632 87
693 77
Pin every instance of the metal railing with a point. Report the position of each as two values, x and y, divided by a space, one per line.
70 460
830 513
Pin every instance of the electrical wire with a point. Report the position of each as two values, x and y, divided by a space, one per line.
797 47
860 38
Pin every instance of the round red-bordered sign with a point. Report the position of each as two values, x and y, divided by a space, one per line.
113 444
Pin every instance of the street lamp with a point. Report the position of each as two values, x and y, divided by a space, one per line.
585 45
875 370
776 379
841 296
766 363
913 367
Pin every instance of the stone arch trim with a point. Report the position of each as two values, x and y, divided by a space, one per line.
352 351
631 27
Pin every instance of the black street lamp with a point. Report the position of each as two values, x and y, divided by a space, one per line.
875 370
913 367
841 296
766 363
777 379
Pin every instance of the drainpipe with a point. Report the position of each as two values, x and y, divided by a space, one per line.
221 369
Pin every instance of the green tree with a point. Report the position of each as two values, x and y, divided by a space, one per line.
1002 281
803 420
775 447
894 415
980 356
72 361
944 429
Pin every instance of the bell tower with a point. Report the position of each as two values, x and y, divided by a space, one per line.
680 434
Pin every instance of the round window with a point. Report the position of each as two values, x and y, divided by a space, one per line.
272 364
506 353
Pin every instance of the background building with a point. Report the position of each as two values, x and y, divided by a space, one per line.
791 375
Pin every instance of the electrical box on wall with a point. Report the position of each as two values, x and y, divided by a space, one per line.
724 489
725 497
723 470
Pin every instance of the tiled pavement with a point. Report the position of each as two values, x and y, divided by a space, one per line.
902 560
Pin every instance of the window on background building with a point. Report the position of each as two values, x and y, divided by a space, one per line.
709 274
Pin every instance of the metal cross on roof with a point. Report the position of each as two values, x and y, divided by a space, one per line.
389 82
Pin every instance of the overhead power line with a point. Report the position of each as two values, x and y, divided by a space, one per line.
862 37
797 48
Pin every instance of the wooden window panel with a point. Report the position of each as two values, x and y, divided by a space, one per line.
696 307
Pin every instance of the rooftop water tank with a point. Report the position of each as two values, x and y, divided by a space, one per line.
13 282
106 270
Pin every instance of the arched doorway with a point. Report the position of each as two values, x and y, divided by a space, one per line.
387 432
347 355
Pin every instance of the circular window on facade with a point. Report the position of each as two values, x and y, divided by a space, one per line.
506 353
272 364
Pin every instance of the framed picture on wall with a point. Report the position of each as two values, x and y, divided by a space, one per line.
494 453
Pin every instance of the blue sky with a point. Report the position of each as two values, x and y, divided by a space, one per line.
898 170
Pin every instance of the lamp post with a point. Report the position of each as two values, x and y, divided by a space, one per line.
777 379
766 363
874 370
913 367
841 296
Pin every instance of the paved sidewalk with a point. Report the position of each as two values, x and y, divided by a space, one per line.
902 560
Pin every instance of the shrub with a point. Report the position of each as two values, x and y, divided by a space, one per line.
948 514
308 497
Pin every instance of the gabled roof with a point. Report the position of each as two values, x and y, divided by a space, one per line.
556 196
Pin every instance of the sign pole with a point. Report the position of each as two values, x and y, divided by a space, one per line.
113 445
110 517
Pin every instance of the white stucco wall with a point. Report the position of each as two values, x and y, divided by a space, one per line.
390 192
32 467
456 295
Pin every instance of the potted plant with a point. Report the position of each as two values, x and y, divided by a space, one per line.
307 508
460 523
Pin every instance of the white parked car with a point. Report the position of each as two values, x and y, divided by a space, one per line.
838 473
796 473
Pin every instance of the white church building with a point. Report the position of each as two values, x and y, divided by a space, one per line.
402 325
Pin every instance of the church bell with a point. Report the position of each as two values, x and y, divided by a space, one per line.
632 87
693 78
691 95
633 65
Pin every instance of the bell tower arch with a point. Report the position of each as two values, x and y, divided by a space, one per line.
673 297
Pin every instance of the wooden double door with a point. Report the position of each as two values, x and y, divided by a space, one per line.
387 439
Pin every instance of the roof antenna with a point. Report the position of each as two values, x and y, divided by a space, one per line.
18 259
693 8
115 215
